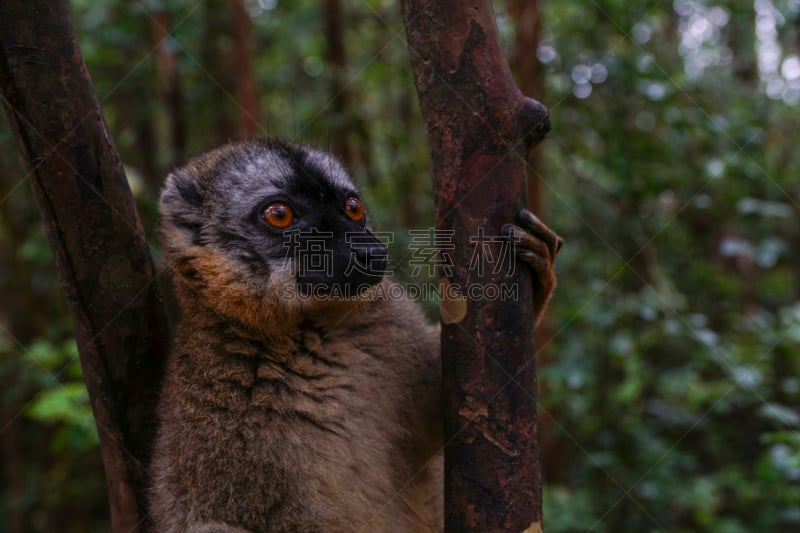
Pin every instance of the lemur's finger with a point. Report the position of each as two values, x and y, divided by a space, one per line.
526 244
533 225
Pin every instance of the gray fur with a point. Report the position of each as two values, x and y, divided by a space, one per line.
281 415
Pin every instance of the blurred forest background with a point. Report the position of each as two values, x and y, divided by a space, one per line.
670 371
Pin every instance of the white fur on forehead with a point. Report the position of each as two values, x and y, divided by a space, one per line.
258 174
268 164
331 166
261 170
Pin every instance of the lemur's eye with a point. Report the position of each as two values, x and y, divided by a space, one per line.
354 209
278 215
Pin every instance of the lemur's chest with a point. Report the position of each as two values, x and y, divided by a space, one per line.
311 381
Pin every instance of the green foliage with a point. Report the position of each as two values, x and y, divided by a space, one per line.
62 401
675 362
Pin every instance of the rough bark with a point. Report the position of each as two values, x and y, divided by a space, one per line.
480 127
96 236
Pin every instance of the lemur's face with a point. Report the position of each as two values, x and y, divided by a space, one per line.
280 213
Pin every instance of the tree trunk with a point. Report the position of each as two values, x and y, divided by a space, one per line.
246 94
216 62
170 79
336 56
480 128
96 236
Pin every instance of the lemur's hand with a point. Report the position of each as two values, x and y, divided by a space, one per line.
536 245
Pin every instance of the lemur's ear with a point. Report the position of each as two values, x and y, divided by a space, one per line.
182 205
182 186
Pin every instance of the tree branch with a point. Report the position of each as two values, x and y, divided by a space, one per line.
96 237
479 129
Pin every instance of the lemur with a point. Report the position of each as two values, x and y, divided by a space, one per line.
284 410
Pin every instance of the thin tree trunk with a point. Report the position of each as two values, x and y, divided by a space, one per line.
21 319
347 133
96 237
480 127
134 101
171 89
246 94
339 95
216 62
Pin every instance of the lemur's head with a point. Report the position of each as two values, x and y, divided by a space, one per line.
262 222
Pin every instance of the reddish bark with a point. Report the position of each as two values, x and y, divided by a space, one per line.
480 127
96 237
246 94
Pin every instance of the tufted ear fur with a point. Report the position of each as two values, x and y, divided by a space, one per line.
182 208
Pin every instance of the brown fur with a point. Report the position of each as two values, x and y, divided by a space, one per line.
282 414
314 430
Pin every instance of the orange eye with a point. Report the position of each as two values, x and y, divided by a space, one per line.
278 215
354 209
